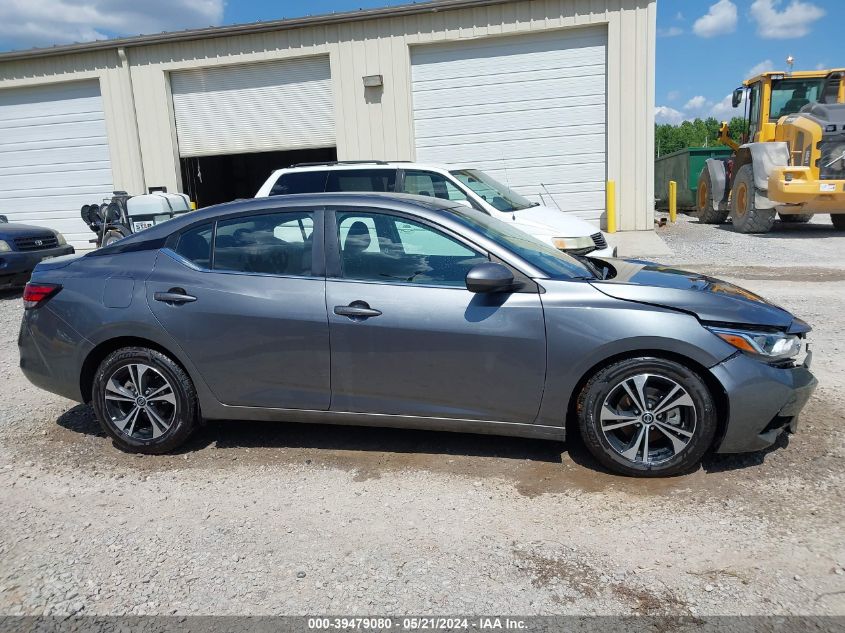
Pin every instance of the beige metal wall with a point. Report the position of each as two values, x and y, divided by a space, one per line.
375 124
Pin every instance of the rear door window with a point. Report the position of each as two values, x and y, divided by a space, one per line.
270 244
300 182
380 180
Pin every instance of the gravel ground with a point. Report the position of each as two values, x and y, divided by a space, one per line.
292 519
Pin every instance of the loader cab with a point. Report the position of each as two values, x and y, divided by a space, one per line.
771 96
750 95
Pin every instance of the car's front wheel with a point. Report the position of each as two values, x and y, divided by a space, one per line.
144 400
647 417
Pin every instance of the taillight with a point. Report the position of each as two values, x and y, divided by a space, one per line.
35 294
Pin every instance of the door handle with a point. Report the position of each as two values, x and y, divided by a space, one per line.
174 295
357 310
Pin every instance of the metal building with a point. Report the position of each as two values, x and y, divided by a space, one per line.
551 96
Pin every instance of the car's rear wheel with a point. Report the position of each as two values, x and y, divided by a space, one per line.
144 400
647 417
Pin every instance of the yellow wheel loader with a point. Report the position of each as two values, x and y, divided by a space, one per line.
791 161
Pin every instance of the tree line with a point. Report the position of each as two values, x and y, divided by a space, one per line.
670 138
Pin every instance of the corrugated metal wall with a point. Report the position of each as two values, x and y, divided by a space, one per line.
371 123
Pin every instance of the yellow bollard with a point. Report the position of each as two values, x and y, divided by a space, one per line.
673 201
611 206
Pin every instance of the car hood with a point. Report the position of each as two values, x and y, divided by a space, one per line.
552 222
20 230
710 299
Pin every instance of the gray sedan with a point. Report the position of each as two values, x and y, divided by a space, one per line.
399 311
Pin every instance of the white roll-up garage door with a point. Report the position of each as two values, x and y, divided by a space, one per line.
54 156
269 106
528 109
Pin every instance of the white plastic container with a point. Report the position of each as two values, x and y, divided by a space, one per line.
157 204
154 208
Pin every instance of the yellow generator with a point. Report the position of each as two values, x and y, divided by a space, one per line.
791 162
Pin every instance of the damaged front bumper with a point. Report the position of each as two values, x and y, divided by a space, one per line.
763 401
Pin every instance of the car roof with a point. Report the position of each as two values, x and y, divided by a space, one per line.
342 165
424 206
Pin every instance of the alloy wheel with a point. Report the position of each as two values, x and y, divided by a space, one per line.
140 401
648 418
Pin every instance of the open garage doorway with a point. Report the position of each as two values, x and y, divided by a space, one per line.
211 180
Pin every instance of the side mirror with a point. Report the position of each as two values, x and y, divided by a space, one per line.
3 219
489 277
737 97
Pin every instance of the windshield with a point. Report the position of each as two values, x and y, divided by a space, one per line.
552 262
492 191
790 95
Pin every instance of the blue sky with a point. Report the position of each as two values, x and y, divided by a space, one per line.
704 47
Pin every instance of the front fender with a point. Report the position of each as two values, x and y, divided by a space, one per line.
718 181
585 328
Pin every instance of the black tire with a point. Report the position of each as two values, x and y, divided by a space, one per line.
795 218
146 437
838 220
111 237
704 207
747 218
699 419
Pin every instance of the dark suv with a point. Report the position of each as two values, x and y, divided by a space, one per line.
22 246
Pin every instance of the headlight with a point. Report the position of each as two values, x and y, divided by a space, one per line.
61 238
4 247
573 243
768 345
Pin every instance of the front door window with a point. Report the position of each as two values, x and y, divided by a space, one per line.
429 183
387 248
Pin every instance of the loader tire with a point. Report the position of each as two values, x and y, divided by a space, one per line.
838 220
747 218
704 207
795 218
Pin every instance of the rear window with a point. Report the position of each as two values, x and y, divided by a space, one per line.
381 180
300 182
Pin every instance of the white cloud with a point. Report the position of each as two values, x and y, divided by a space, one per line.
673 95
665 114
26 23
723 110
696 103
719 20
672 31
763 67
794 21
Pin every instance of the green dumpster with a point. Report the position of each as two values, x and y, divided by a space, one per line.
684 167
